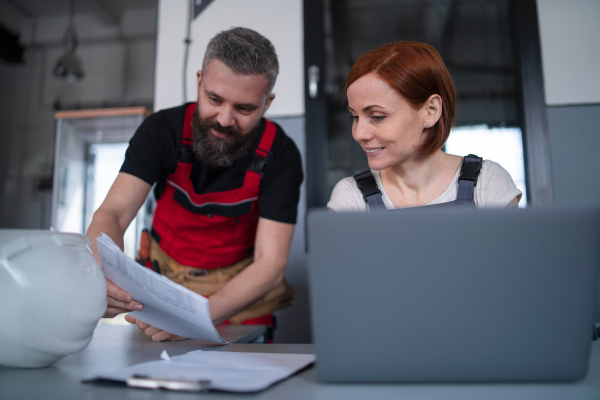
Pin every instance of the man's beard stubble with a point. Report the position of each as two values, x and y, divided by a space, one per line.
215 151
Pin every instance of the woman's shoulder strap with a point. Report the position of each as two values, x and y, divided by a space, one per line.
368 187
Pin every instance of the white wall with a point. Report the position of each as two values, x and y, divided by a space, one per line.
279 21
570 42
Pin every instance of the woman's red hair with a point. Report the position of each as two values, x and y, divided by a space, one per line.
416 71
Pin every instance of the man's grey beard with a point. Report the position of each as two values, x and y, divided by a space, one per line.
215 151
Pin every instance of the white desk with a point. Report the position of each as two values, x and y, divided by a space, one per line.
114 347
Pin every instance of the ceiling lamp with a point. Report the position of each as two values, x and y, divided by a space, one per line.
69 66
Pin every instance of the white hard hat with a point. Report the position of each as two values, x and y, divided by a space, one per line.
52 294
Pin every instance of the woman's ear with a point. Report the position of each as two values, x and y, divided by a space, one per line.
433 110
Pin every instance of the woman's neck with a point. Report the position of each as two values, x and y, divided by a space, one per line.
420 180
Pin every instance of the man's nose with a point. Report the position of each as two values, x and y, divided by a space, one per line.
225 117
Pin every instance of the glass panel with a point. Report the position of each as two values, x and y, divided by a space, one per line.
474 39
89 154
105 162
69 173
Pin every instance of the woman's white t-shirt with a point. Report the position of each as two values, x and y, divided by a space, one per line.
495 188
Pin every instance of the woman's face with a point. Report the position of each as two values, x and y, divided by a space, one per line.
385 124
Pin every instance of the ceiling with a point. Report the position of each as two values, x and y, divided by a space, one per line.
45 8
16 14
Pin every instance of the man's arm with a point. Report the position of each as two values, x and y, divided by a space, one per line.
271 254
120 207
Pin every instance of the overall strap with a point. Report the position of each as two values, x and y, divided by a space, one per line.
469 173
263 152
367 185
467 180
186 153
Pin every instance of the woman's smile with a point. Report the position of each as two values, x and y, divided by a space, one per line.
373 151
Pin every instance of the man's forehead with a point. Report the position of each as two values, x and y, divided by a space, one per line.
220 80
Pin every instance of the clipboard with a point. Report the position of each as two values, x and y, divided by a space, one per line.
201 371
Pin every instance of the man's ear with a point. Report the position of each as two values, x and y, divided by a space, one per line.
268 103
199 76
433 110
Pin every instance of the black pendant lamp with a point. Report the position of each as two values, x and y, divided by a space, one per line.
69 66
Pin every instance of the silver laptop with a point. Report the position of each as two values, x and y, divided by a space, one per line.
453 295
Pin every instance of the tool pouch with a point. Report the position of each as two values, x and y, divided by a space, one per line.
207 281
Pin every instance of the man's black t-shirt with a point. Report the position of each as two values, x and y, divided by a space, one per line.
153 154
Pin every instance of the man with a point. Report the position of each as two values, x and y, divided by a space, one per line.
227 189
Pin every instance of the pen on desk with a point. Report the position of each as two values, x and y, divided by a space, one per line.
145 382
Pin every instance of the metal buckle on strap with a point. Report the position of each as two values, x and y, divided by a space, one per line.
471 168
198 272
186 154
367 184
259 161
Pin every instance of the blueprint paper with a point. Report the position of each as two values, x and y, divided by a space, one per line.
167 305
224 370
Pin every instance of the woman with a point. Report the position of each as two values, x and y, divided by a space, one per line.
403 101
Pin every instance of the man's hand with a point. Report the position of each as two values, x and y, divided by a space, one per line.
112 218
119 301
155 334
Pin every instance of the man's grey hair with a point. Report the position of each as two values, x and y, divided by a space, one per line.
245 51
